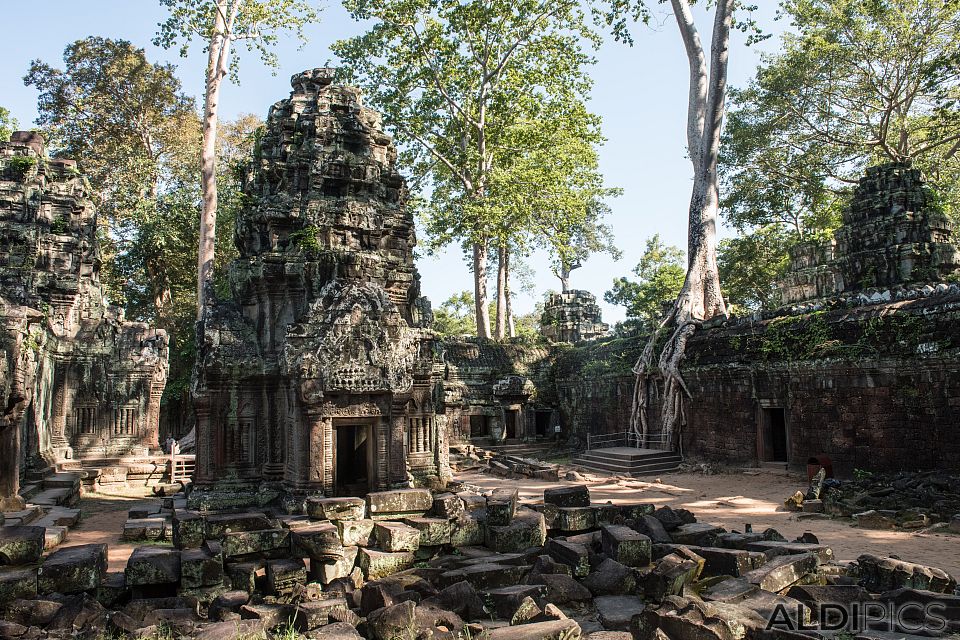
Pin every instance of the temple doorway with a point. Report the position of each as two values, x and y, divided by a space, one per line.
773 436
479 426
353 462
510 417
542 422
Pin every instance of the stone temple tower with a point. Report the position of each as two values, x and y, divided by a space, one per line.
317 375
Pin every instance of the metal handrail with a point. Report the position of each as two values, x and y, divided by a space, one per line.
628 439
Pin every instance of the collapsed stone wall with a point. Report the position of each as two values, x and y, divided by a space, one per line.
319 364
572 316
77 379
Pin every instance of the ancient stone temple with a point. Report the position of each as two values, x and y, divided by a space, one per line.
77 380
316 376
572 316
892 234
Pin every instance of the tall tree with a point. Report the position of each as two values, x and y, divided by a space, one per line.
8 124
219 24
460 82
571 250
700 297
131 128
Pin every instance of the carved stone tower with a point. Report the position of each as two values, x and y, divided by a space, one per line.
317 373
77 380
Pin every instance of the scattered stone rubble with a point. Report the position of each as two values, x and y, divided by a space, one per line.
411 564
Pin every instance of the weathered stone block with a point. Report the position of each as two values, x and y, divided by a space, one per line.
577 495
219 525
783 571
145 529
329 570
448 506
611 578
356 533
730 591
616 611
396 536
227 602
318 542
285 574
467 531
413 502
501 506
17 582
316 613
336 509
380 564
625 545
575 555
887 574
575 519
434 532
525 531
200 568
153 566
672 573
772 549
698 533
506 600
245 542
397 622
487 576
243 575
652 528
73 569
550 630
21 545
189 529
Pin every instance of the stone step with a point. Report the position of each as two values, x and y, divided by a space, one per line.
30 489
27 516
62 480
627 454
628 461
37 475
53 537
54 497
633 472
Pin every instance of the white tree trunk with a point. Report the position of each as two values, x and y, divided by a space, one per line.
502 311
481 308
217 63
700 297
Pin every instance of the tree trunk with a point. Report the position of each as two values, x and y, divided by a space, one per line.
700 297
481 309
217 62
511 327
503 257
564 278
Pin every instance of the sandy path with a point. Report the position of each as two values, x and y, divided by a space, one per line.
102 518
731 500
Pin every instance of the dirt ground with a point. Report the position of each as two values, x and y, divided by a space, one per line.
102 518
732 499
729 500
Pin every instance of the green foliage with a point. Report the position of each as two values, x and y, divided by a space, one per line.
59 225
857 82
306 241
660 276
257 24
8 124
797 338
454 318
750 266
21 165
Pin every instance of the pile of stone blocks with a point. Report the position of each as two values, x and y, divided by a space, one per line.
413 564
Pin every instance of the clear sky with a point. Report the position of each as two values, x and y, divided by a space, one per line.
640 93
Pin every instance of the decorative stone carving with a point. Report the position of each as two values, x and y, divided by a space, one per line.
572 316
318 370
77 380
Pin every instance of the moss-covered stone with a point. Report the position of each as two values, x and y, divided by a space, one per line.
380 564
74 569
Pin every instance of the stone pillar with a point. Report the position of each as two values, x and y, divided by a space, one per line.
10 499
398 454
204 438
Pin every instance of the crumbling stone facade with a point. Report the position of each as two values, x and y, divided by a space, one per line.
497 391
77 380
860 366
572 316
316 376
892 234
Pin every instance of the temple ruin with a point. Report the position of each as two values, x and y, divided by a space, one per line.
318 373
79 382
572 316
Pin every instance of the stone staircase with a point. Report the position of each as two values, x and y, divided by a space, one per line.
628 461
51 499
517 448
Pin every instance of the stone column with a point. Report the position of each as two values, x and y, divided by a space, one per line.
10 499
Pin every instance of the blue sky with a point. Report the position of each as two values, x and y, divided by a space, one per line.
640 93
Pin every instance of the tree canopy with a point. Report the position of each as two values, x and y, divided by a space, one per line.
8 124
660 275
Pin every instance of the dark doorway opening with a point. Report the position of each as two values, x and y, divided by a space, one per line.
510 418
478 426
775 441
542 422
352 477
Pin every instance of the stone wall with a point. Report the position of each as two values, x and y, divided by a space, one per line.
572 316
317 375
77 380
